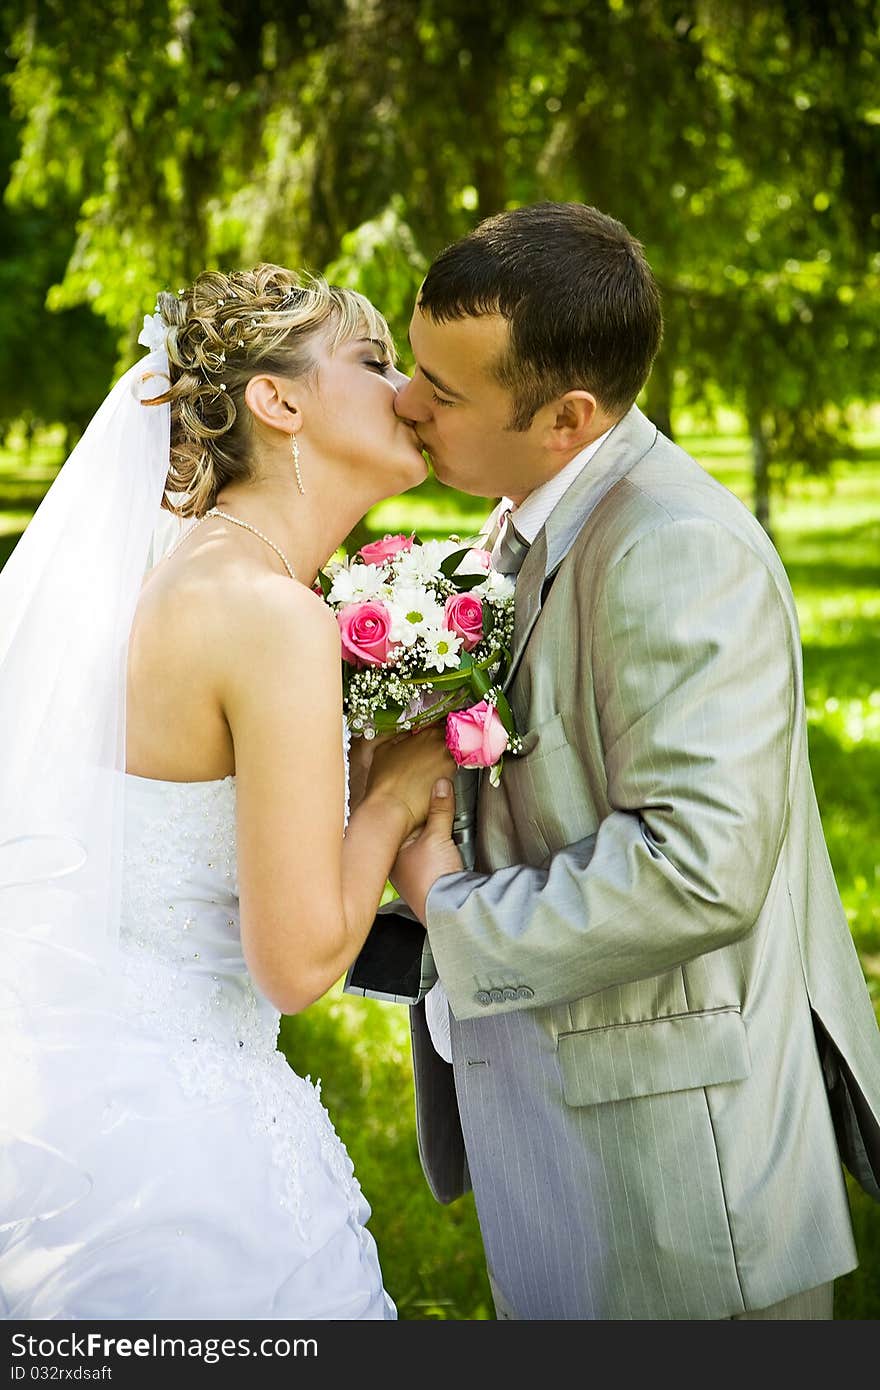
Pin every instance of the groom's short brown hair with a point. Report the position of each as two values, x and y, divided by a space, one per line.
579 296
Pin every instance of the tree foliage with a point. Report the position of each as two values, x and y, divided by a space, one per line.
741 143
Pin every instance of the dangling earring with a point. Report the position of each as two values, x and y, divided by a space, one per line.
295 449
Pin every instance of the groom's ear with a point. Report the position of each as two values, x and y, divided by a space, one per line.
573 421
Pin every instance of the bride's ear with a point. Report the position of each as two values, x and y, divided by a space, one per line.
268 398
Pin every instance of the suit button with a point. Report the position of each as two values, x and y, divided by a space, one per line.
496 995
483 997
523 992
509 992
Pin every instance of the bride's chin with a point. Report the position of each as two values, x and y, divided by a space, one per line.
417 473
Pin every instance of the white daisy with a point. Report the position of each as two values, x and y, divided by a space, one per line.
358 582
414 611
495 586
443 648
424 561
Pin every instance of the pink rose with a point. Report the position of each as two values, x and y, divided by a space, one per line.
464 616
365 629
385 549
476 737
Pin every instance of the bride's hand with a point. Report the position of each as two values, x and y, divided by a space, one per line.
361 753
405 767
428 853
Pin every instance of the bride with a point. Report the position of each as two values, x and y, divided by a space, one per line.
173 869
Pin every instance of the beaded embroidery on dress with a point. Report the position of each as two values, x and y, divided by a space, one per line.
219 1187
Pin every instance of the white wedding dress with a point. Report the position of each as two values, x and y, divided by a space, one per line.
212 1183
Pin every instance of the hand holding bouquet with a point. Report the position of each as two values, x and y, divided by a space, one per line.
426 632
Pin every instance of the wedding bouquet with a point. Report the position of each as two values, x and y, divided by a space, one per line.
426 632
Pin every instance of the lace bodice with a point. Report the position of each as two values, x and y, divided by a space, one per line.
184 968
180 880
180 906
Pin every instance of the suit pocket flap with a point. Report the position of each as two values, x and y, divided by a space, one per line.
625 1060
543 738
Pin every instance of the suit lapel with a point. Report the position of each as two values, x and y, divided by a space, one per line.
629 441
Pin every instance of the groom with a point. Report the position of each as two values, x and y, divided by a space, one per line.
661 1039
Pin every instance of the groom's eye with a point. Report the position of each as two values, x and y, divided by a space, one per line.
440 400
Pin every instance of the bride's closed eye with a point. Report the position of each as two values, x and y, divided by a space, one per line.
381 366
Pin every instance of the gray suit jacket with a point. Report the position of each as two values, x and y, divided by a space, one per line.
654 988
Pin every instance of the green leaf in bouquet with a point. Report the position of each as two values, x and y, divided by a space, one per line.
465 582
444 680
325 582
452 562
505 713
480 682
387 720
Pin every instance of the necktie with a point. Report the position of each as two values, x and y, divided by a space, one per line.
510 550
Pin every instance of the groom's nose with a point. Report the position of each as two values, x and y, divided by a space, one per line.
409 403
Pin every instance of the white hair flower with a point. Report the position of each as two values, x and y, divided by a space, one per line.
152 335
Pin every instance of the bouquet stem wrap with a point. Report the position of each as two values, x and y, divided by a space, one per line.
465 820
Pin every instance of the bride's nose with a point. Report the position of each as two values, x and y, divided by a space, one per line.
406 400
397 378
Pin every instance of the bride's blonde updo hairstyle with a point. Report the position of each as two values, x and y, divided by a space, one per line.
224 330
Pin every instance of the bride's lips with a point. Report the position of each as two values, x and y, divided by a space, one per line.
417 443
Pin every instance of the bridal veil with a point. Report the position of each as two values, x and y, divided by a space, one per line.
67 599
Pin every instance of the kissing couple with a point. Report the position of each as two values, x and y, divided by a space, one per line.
650 1047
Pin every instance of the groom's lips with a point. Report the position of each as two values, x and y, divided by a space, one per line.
419 443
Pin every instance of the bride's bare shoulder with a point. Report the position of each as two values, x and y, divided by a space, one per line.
230 613
277 639
272 607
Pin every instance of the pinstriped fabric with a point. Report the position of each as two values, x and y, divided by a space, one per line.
648 1135
812 1305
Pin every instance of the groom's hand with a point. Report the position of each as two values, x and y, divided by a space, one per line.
429 852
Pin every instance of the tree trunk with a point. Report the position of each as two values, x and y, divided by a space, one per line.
30 429
760 469
482 33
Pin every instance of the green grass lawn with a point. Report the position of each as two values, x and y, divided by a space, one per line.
829 536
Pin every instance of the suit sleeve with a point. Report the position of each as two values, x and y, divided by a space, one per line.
695 672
